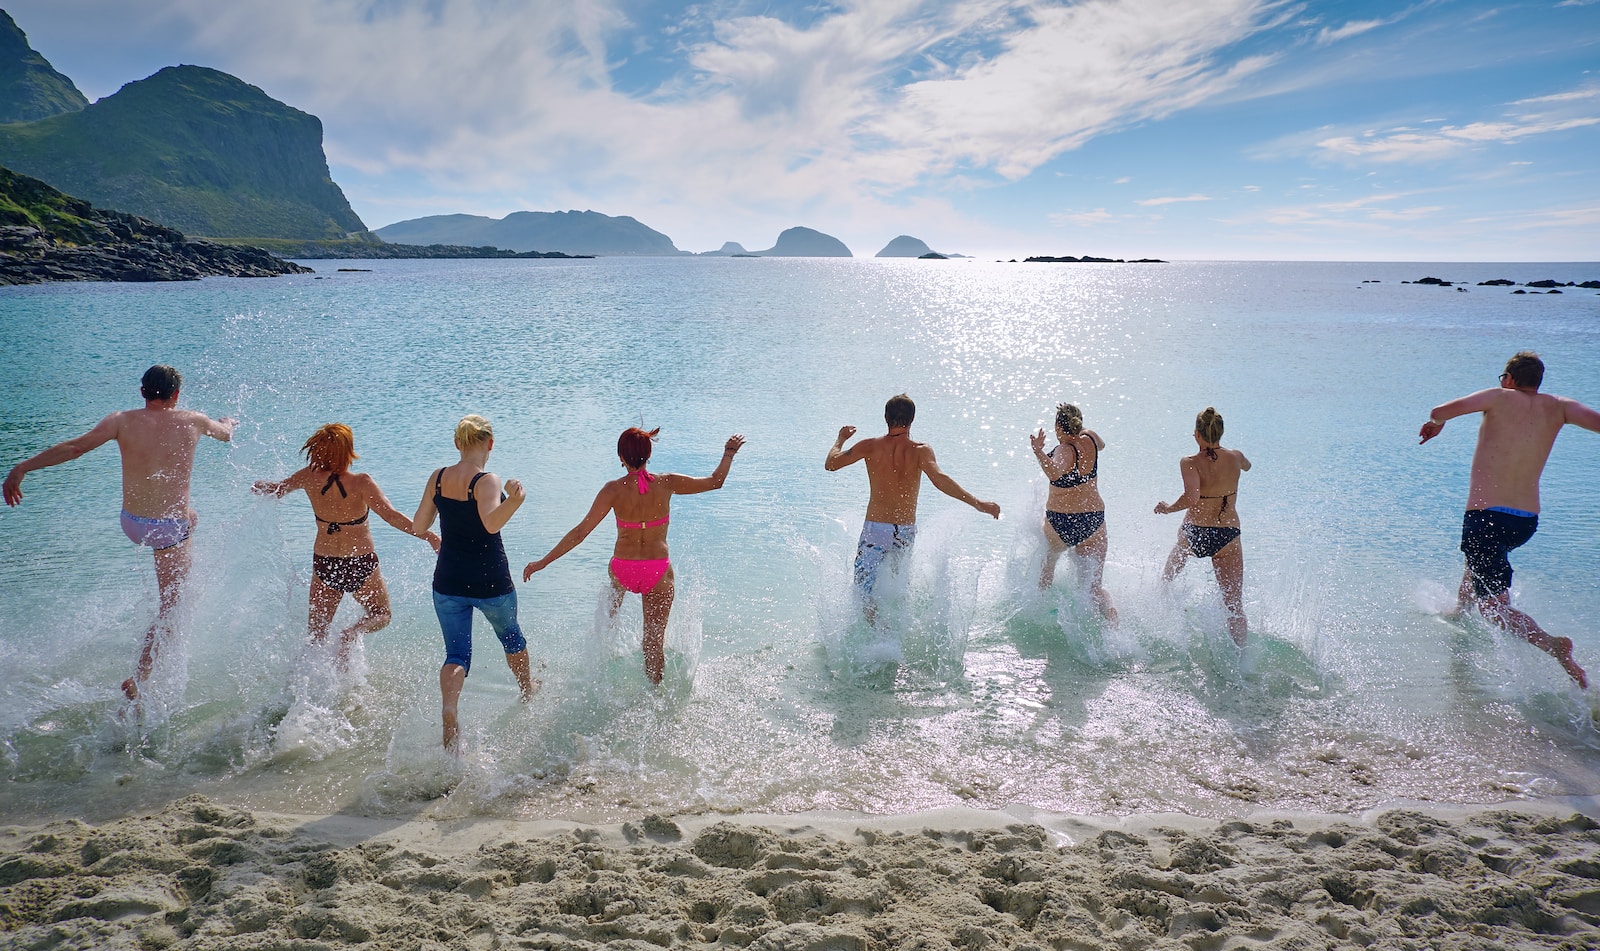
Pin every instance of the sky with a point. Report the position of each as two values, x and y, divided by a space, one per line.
1438 130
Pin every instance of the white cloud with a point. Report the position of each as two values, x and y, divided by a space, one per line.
1171 201
1442 143
1122 181
1328 35
1097 217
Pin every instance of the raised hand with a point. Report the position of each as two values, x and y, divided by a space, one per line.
845 432
1037 441
734 443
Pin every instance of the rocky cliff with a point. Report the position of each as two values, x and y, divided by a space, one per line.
193 149
48 236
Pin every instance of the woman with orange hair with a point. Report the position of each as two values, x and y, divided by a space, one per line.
642 502
342 559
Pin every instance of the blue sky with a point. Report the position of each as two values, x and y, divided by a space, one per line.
1202 129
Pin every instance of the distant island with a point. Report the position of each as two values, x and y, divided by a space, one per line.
48 236
806 243
371 248
1088 259
572 232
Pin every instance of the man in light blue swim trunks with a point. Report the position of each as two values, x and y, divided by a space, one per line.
157 445
895 467
1519 428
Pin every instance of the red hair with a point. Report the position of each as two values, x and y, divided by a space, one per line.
634 445
331 448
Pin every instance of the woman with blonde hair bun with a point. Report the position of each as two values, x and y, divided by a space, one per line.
1211 521
472 571
1074 513
342 558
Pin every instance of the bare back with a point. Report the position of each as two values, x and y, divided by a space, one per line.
1519 429
1216 487
157 447
635 542
894 473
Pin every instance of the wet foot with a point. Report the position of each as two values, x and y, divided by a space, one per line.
1561 649
130 688
531 688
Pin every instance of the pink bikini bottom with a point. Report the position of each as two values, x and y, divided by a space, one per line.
639 574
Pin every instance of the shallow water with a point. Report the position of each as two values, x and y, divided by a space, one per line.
975 689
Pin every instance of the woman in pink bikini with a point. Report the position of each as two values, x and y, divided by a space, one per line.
642 502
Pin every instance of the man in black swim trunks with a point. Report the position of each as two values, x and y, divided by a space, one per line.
1519 428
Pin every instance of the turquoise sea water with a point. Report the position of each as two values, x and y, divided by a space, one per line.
979 690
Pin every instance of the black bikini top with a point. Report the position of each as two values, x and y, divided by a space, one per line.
334 527
1072 477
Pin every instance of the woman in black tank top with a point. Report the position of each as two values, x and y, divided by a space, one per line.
472 572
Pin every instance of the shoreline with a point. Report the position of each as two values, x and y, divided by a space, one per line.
204 874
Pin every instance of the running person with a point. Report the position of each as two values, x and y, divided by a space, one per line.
1519 428
157 445
472 571
895 467
1211 516
1074 514
642 503
342 558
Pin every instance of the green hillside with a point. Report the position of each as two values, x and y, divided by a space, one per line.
194 149
30 88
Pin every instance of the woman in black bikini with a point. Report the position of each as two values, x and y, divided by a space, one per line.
1075 515
1211 524
342 559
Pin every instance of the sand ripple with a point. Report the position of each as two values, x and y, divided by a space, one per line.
201 875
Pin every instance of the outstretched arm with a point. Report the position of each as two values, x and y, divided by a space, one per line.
102 433
948 486
218 428
573 538
1191 488
1581 415
379 503
689 485
1444 412
837 457
281 488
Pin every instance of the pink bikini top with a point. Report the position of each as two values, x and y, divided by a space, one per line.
645 479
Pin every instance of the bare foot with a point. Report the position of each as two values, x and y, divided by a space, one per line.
530 689
1561 650
130 688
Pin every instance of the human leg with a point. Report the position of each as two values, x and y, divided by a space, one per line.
501 613
1052 554
172 572
1497 610
1176 560
324 603
455 623
657 609
373 596
1093 554
1228 563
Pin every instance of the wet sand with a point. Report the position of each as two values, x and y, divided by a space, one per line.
201 874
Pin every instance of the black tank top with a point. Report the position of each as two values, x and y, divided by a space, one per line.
472 560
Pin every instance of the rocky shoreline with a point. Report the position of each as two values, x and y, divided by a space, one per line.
47 236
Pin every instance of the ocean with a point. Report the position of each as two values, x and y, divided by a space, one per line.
975 689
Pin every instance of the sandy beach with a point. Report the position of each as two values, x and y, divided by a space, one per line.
200 874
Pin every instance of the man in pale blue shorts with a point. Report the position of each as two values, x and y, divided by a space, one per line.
157 445
895 467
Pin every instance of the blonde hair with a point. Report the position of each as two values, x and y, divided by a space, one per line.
1208 425
331 448
472 431
1069 419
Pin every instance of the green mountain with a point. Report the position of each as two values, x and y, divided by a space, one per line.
574 232
193 149
30 88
